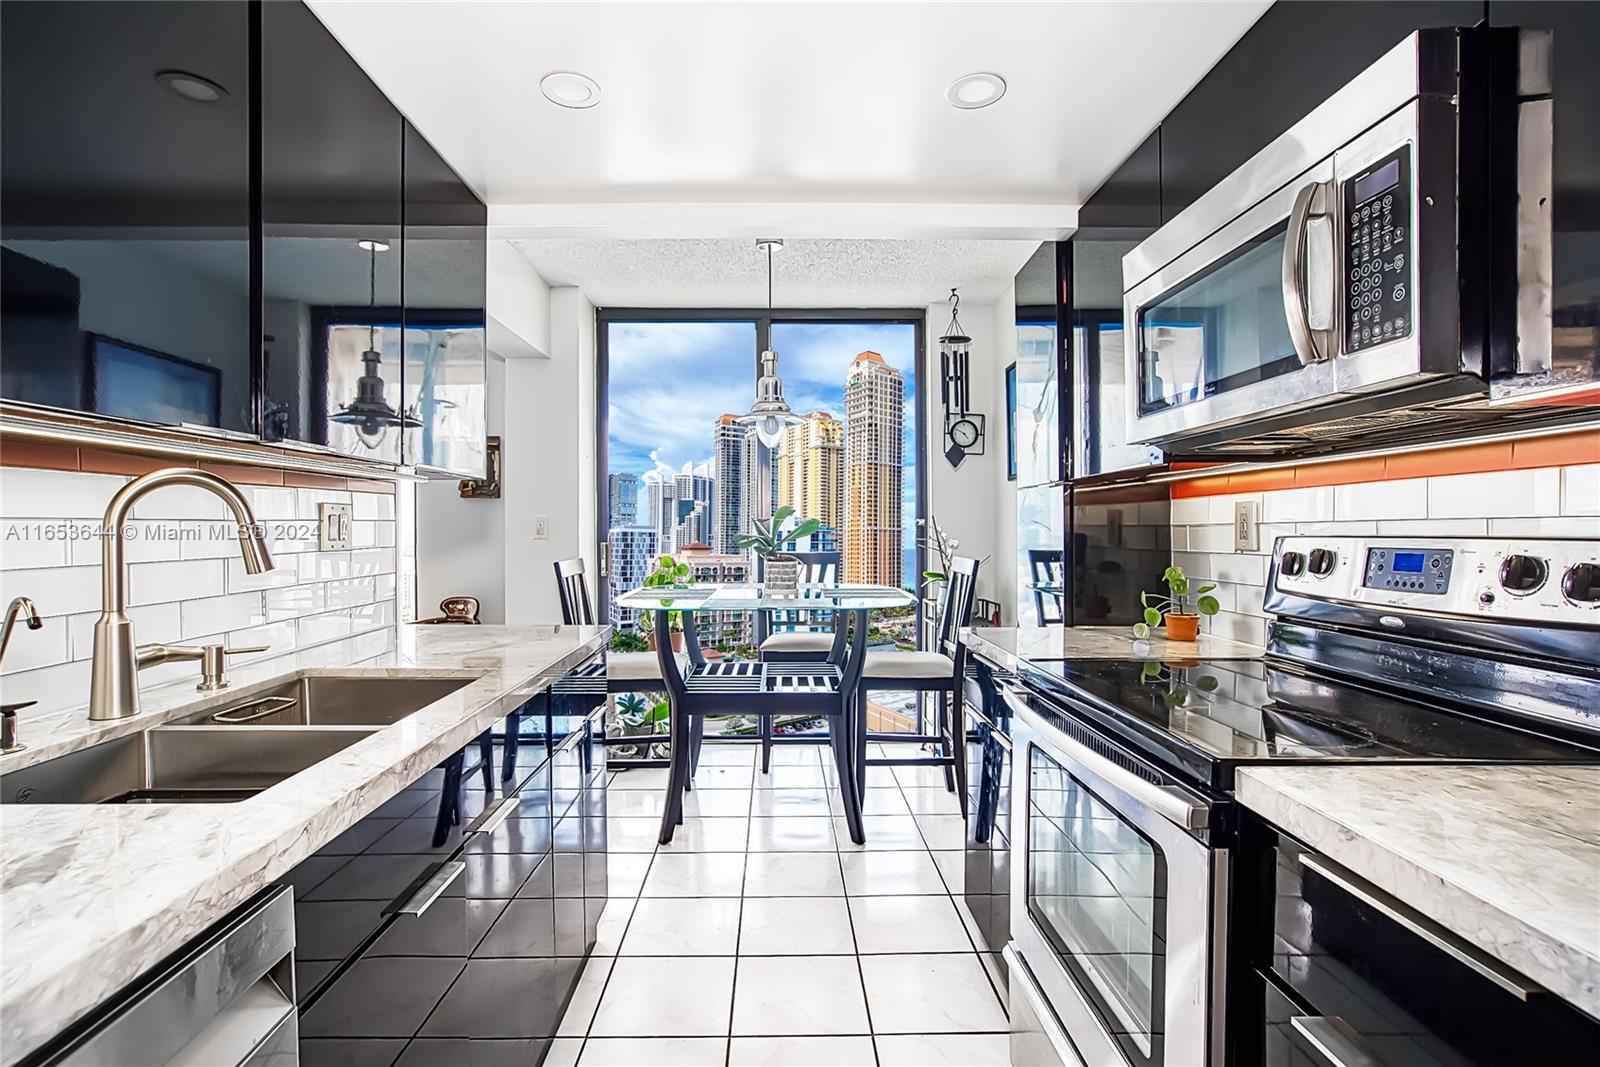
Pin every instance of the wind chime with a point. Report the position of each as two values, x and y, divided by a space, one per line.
963 428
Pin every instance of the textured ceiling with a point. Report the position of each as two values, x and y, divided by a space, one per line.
806 273
723 105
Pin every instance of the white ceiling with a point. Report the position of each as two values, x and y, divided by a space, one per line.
827 119
807 273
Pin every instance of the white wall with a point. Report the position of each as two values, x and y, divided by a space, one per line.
966 500
548 454
518 304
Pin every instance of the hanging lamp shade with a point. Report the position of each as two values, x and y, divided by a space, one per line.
769 416
370 413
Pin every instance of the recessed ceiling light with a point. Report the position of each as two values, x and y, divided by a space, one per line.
191 86
373 246
972 91
567 89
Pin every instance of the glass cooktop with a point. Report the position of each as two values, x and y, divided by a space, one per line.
1210 716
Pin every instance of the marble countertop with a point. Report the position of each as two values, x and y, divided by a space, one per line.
1008 646
92 895
1506 857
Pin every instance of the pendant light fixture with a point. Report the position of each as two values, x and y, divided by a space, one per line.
770 413
370 413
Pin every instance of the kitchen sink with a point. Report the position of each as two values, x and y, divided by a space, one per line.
177 764
333 700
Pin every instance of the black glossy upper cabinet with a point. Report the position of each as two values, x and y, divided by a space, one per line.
331 207
125 209
1575 178
446 230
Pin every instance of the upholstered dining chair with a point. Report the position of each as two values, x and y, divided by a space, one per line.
940 670
801 636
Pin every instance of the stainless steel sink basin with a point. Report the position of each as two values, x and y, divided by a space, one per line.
324 700
176 764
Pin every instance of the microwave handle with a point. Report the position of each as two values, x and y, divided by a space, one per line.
1309 280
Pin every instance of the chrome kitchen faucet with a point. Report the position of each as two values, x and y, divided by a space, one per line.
114 686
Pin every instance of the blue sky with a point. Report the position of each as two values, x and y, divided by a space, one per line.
669 381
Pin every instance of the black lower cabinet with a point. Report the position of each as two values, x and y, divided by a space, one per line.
479 940
987 875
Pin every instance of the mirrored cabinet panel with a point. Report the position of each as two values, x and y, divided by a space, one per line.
1037 413
446 229
125 210
331 209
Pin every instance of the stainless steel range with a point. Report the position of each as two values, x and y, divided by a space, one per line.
1383 649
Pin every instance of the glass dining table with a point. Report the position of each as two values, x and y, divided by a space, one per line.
728 686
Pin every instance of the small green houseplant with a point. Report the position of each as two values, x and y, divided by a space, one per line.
668 574
1182 623
780 573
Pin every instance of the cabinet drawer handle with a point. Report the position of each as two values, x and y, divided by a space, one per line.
1451 945
1333 1040
433 884
491 820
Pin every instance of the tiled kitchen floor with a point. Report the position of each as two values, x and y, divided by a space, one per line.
763 935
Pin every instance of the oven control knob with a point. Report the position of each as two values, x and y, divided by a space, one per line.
1320 561
1523 574
1292 563
1581 583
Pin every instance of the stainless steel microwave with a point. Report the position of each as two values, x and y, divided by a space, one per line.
1364 274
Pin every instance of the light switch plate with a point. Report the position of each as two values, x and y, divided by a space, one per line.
333 527
541 527
1246 525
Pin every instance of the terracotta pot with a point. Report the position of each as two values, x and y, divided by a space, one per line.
1182 627
677 641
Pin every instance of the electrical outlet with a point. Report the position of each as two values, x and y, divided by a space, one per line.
541 527
333 527
1246 525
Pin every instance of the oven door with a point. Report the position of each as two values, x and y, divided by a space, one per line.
1305 297
1118 909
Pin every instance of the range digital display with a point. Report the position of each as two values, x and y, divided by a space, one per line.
1407 562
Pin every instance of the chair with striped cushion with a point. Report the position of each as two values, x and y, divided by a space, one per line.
941 671
800 636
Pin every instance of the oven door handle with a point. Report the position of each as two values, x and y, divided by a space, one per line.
1175 805
1309 281
1332 1040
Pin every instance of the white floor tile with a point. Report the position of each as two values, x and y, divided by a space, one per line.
796 755
586 997
695 874
799 995
884 832
666 997
799 874
792 833
655 1051
796 926
805 776
881 778
927 994
716 776
632 835
944 1050
635 803
563 1052
640 778
668 927
890 874
938 801
943 832
953 867
625 872
801 1052
875 802
781 802
728 755
613 924
908 924
705 834
915 777
717 803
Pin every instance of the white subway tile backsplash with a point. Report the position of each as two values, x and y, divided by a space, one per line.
1314 504
1247 628
180 502
321 566
1222 507
315 629
385 586
56 590
1210 539
164 583
152 624
372 561
1567 526
372 505
24 545
1496 494
306 500
44 647
37 494
61 686
1404 499
271 502
293 602
214 615
371 616
1191 511
1580 490
1434 527
351 591
1239 569
371 534
239 580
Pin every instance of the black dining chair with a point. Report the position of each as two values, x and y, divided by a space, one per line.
799 636
1046 573
941 671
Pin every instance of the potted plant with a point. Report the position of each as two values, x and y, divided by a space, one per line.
1182 624
668 574
781 574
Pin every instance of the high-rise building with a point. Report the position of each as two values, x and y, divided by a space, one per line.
680 507
731 460
624 494
631 548
718 629
874 415
811 469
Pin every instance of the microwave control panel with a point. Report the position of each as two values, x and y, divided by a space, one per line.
1377 282
1420 570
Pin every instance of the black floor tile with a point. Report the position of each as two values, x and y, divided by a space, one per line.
461 1052
342 1052
525 928
505 998
381 998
